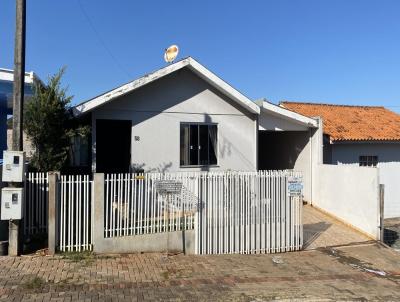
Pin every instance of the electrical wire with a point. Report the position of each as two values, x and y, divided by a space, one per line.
91 24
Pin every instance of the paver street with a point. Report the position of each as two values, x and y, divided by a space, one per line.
354 272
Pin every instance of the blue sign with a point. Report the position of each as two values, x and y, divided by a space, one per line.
295 186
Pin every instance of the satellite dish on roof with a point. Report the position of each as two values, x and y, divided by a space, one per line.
171 53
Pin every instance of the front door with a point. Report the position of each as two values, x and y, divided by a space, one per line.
113 146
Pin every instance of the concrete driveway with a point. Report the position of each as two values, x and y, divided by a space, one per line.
321 230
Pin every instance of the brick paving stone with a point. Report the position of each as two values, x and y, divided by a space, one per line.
324 274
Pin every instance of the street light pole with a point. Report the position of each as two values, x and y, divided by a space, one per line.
19 75
18 103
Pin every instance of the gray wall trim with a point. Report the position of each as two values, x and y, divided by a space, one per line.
180 241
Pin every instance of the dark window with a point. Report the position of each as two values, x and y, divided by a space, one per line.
368 160
198 144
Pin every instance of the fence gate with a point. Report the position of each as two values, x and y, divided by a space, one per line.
74 210
36 203
75 213
254 212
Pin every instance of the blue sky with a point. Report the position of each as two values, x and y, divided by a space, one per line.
345 52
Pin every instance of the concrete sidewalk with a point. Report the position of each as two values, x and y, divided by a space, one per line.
348 273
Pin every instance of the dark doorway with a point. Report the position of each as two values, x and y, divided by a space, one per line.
279 150
113 146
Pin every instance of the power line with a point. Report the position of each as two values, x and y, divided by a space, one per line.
101 40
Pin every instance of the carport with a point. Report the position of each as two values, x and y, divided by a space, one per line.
288 140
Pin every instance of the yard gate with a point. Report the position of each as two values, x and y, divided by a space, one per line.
231 212
249 212
35 205
75 213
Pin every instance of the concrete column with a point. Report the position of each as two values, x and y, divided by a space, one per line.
13 238
52 210
98 210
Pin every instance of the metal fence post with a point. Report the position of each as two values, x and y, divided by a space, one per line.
52 210
381 212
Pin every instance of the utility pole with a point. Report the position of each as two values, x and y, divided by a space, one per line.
18 104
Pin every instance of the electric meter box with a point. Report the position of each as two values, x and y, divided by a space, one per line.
11 203
13 166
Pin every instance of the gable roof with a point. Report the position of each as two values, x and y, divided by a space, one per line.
190 63
287 114
352 123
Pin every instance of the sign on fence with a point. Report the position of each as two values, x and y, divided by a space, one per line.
168 187
295 186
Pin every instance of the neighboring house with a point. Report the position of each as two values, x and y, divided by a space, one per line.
27 143
363 136
6 104
185 118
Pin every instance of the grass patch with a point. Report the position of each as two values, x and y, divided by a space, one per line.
85 257
172 273
165 275
105 257
34 283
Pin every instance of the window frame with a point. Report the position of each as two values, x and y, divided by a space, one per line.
364 160
198 124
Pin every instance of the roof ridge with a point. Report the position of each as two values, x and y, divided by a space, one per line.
329 104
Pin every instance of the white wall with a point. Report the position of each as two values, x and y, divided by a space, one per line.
351 194
388 164
309 159
156 111
305 148
390 176
269 121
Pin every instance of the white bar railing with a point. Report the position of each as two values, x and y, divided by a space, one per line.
134 206
36 203
75 212
248 212
232 212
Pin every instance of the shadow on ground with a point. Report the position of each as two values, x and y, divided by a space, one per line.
312 231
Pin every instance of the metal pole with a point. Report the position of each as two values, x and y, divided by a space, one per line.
168 221
381 212
18 97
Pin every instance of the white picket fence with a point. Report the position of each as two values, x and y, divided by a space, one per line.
248 213
231 212
134 207
75 213
36 203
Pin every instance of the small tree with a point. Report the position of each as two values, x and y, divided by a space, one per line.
50 125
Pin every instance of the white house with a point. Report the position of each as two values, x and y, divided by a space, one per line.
6 105
185 118
362 136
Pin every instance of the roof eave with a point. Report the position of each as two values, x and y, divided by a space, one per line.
196 67
370 141
291 115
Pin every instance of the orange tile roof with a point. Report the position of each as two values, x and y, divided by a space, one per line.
355 123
